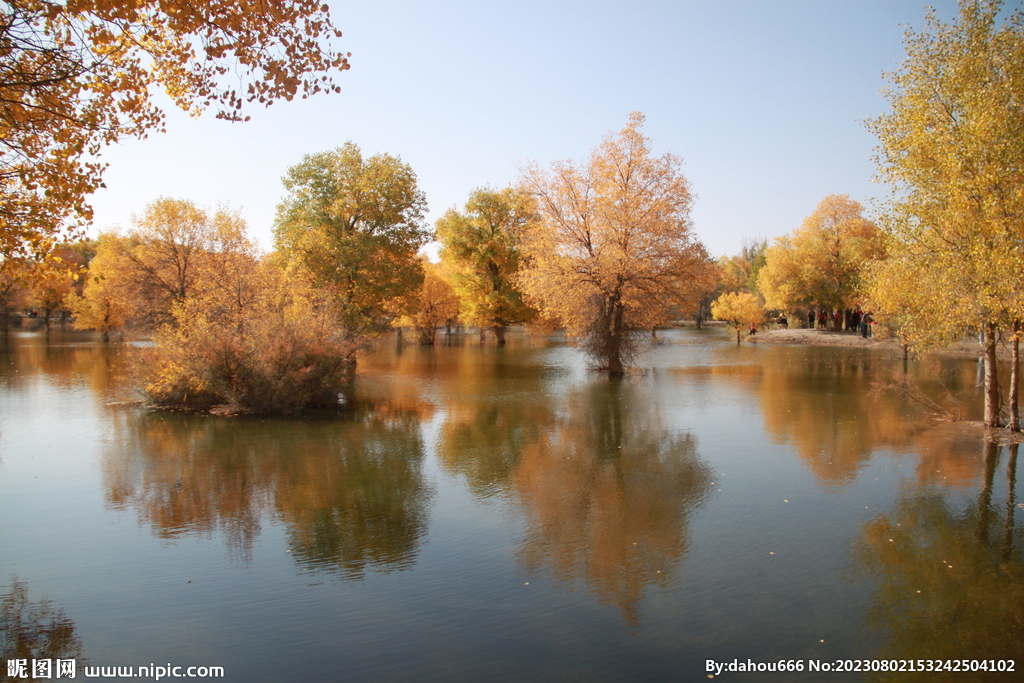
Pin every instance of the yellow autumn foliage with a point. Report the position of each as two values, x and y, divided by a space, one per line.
739 309
821 262
952 146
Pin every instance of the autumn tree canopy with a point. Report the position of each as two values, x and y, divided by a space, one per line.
231 329
952 146
738 273
77 76
821 262
482 245
355 225
430 306
174 250
738 309
614 250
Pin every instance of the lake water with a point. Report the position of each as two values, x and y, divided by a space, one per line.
484 514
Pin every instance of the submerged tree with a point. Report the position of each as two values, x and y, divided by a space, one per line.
613 252
13 290
482 245
275 348
432 305
354 225
77 76
952 148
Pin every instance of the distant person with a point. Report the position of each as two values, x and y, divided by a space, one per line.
822 319
783 322
865 325
753 330
810 319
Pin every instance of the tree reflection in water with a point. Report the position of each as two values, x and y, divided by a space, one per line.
607 492
490 419
950 576
34 630
821 404
350 491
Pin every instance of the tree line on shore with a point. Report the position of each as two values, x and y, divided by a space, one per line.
603 247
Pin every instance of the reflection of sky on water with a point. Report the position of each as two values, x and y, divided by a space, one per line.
490 511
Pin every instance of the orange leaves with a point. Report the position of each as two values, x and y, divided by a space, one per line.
614 249
78 75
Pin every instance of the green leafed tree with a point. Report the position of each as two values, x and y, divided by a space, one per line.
354 224
739 273
481 244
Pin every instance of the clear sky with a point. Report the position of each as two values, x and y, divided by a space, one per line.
763 99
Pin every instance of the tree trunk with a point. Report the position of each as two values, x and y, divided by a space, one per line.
499 333
1015 378
615 368
992 397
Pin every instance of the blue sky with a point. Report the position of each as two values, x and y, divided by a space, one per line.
763 99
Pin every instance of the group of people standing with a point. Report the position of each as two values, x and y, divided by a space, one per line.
850 320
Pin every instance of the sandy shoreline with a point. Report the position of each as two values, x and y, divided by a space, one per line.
966 348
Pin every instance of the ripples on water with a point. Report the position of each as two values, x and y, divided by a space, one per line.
505 514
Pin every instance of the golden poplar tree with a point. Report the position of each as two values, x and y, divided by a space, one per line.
739 309
432 305
482 246
952 146
174 251
13 290
77 76
821 262
614 251
102 306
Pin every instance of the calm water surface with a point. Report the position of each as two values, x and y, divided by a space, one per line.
483 514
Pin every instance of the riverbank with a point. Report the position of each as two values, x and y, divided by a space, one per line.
966 348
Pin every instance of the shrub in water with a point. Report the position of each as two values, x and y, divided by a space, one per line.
276 350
